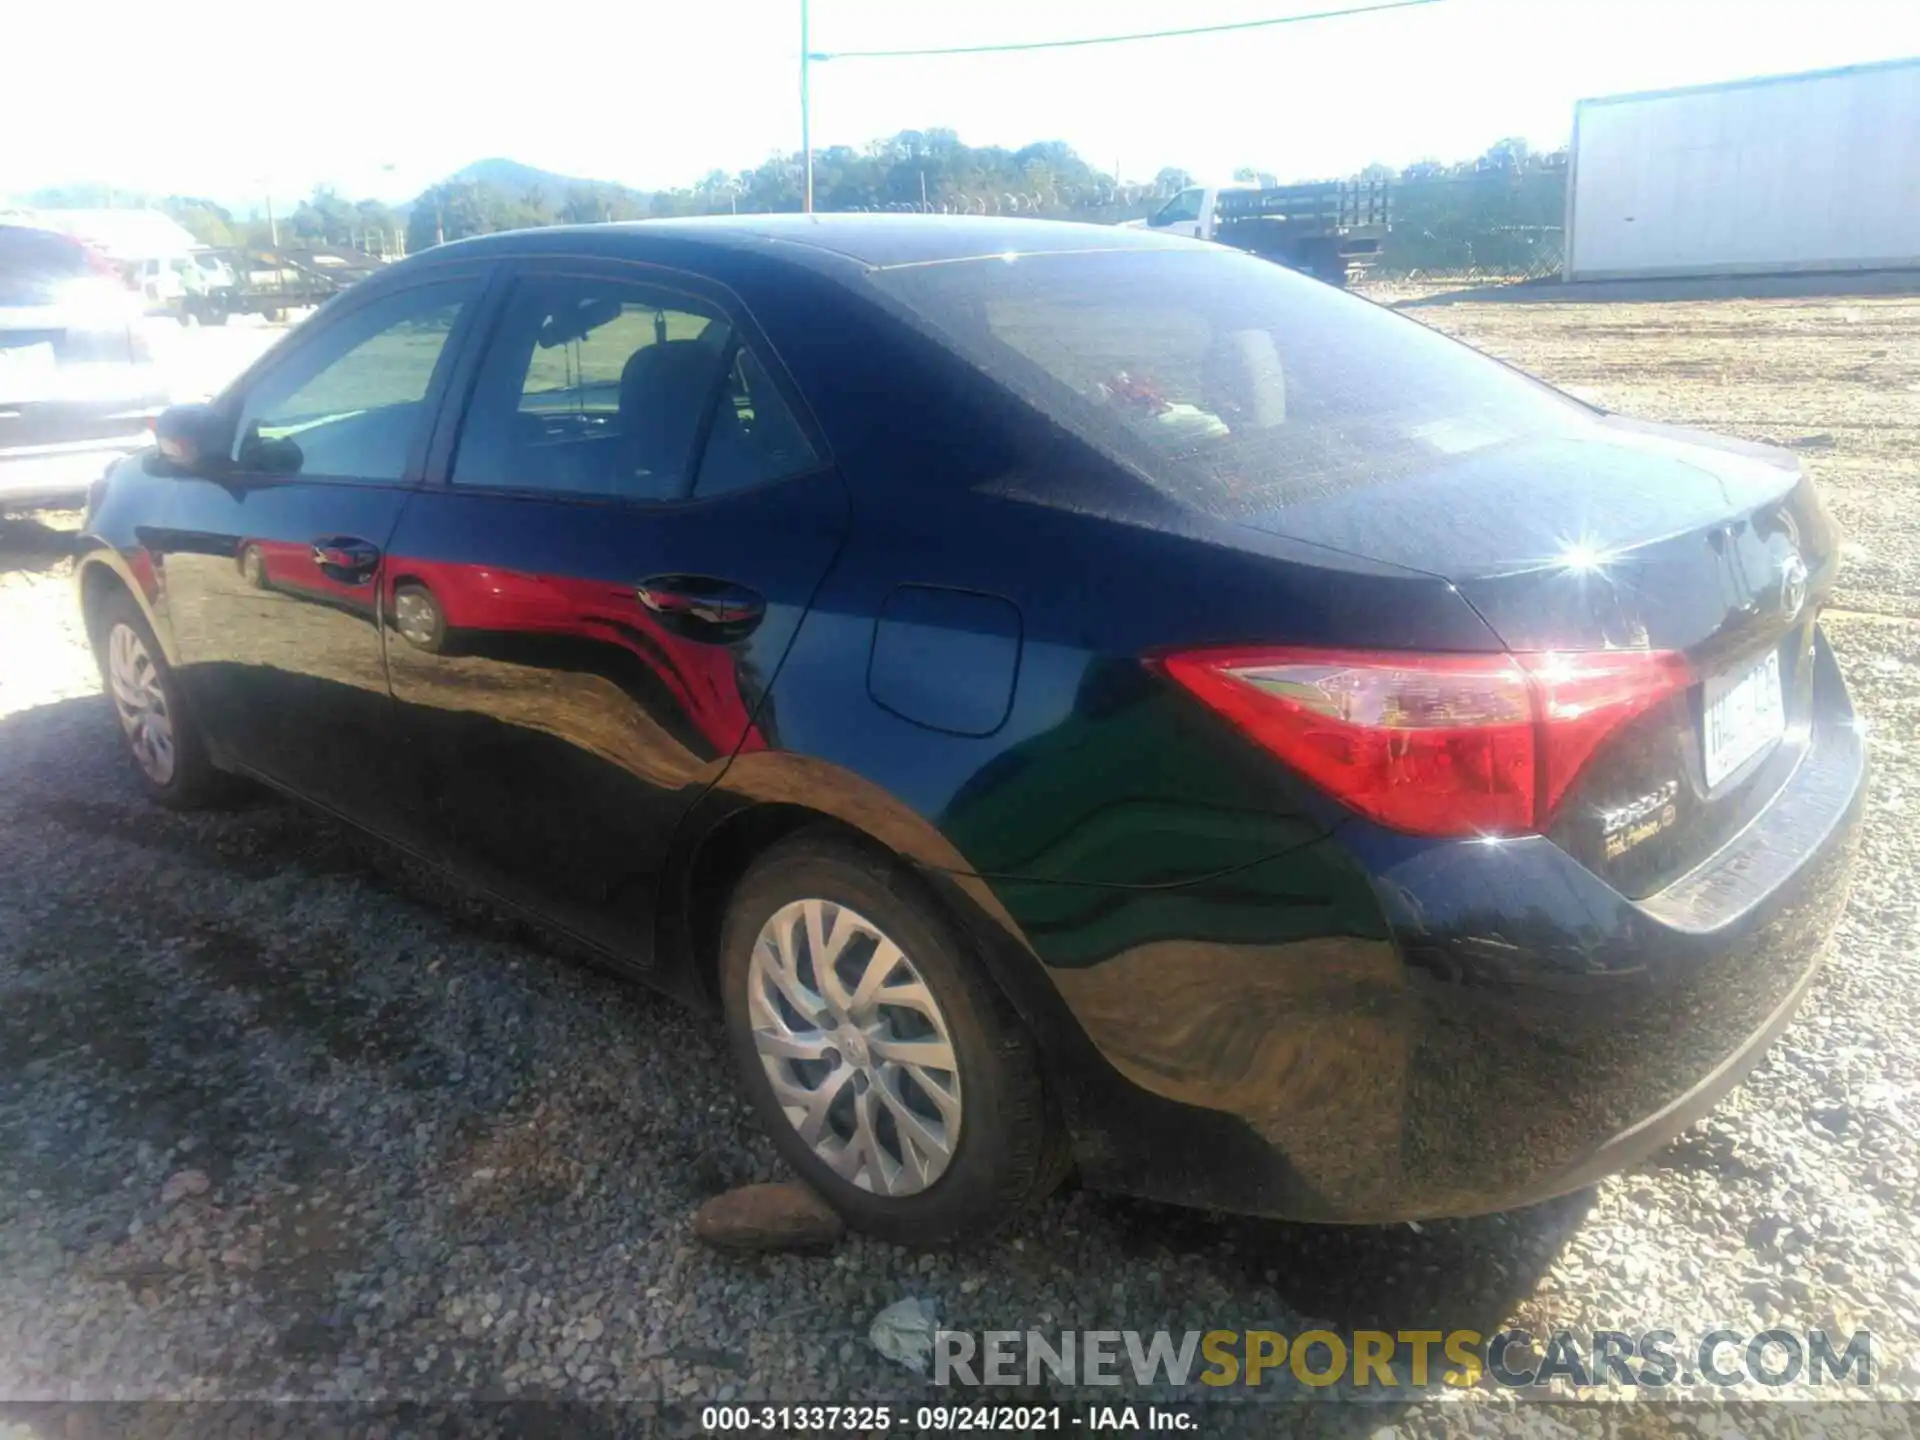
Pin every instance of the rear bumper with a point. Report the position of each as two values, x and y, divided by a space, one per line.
51 453
58 479
1514 1030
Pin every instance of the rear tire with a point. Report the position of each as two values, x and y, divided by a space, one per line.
169 757
898 1081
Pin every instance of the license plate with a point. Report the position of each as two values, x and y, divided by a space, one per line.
1744 715
27 372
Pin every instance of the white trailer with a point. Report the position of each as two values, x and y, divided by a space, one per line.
1807 172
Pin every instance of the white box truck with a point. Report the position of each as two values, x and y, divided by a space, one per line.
1807 172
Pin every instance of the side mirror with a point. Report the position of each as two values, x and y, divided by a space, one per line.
193 439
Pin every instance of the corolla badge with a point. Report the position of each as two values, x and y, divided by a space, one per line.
1793 587
1628 825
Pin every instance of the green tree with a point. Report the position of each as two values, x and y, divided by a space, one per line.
1512 153
377 226
208 223
583 205
454 209
324 218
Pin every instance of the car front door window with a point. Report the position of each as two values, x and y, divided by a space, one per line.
352 402
1180 210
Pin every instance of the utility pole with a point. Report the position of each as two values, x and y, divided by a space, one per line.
806 110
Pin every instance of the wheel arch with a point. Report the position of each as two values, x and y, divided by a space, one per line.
101 571
768 796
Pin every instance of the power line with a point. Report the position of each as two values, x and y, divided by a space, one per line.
1119 39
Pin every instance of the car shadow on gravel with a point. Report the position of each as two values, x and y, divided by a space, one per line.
28 543
544 1092
256 835
61 767
1439 1275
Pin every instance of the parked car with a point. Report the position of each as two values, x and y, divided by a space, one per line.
1065 698
77 385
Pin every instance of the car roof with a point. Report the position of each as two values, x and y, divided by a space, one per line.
876 241
41 232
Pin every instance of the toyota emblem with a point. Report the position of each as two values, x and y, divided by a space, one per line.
1793 587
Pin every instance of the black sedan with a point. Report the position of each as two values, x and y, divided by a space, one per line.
1068 697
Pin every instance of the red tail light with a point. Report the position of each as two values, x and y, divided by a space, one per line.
1432 744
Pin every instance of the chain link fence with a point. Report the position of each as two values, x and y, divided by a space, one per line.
1487 225
1483 226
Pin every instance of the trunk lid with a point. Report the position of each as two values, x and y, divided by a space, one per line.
1625 535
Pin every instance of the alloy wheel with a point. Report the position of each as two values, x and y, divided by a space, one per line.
413 617
855 1046
140 699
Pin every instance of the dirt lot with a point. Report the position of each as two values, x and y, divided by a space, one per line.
1836 379
426 1157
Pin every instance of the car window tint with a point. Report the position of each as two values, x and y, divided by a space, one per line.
1230 383
34 263
593 387
755 437
351 402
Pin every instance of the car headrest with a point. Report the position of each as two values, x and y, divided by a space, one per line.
663 392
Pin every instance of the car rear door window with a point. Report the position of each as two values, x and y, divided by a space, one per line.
351 402
755 437
594 386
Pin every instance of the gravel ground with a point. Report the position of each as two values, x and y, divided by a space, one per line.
281 1118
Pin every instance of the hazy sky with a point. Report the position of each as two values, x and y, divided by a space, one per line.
222 97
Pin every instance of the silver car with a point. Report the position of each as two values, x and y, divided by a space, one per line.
77 383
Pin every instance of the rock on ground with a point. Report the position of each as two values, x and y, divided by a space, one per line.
781 1216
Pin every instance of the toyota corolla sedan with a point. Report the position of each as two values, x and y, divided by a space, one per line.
1067 698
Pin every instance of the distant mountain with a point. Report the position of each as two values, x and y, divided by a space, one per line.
516 178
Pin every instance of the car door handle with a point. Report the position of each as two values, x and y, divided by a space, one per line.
352 557
700 607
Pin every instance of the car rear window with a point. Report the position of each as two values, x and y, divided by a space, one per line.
34 262
1229 382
